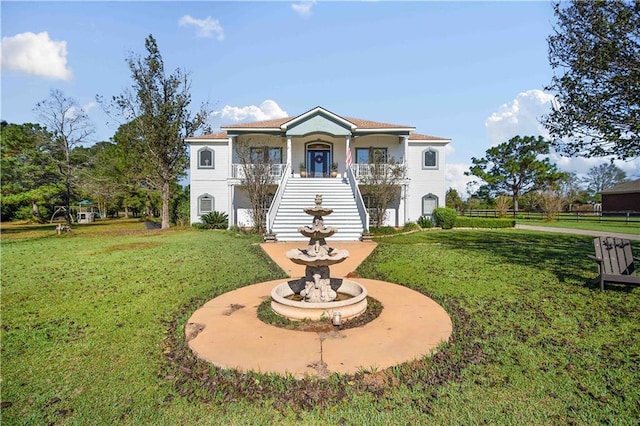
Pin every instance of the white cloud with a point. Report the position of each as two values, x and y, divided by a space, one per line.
303 8
89 106
522 117
206 27
36 54
519 117
267 110
456 179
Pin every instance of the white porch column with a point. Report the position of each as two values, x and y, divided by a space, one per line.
406 148
231 210
289 153
230 156
348 159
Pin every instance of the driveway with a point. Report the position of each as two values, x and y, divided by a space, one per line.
579 232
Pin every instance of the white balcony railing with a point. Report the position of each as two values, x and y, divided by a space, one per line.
275 170
365 170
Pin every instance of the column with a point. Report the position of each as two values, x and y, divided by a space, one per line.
289 153
406 148
348 159
230 156
231 210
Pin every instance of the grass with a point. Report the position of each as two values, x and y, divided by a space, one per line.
92 326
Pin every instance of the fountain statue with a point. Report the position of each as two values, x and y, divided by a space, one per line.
316 294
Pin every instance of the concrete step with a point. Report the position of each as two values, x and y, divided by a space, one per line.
301 193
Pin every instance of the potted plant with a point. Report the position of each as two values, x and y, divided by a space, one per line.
334 169
303 170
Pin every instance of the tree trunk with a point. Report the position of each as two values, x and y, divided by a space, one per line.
67 204
165 204
35 211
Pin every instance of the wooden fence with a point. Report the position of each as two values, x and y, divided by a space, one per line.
627 217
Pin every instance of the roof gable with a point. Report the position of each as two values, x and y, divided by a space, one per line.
318 120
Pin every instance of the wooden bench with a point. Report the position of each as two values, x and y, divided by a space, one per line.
615 261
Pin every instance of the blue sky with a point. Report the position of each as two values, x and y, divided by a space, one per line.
470 71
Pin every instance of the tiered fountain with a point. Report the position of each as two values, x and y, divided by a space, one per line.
317 295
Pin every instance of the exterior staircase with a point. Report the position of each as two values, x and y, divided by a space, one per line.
301 193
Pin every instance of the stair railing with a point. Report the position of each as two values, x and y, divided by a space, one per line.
362 209
275 204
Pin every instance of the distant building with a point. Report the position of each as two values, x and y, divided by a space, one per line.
622 197
313 145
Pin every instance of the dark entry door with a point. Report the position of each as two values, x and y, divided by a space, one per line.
319 162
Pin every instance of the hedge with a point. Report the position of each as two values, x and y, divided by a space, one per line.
483 222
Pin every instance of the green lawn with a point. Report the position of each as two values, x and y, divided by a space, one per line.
92 326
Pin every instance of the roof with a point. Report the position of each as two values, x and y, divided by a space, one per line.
624 188
279 124
419 137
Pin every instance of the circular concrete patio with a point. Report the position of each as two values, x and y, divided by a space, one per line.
226 331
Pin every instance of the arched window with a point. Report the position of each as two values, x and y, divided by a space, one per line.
206 159
430 159
429 202
206 204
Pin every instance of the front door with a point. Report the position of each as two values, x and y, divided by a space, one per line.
318 162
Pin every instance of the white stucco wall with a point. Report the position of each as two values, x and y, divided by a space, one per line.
424 181
209 181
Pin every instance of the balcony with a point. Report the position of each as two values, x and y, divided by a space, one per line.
275 170
362 171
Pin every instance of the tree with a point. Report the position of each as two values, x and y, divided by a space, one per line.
257 180
453 199
158 108
70 127
382 185
514 167
596 50
603 177
28 175
571 189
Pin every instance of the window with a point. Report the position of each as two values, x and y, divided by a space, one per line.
430 159
265 154
429 202
206 204
371 155
206 159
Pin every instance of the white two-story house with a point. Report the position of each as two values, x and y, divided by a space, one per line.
312 143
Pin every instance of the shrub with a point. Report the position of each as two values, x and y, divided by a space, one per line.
213 220
410 226
444 217
483 222
382 230
425 222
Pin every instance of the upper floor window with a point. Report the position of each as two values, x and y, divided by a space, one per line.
371 155
206 204
265 154
206 159
430 159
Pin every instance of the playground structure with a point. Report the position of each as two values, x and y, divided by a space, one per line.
86 212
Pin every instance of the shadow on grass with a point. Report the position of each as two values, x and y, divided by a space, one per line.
564 255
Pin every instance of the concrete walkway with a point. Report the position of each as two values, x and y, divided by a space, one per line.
227 332
358 252
579 232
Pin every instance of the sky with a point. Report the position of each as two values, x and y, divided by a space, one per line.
471 71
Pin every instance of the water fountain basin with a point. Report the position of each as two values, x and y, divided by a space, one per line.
294 310
311 258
